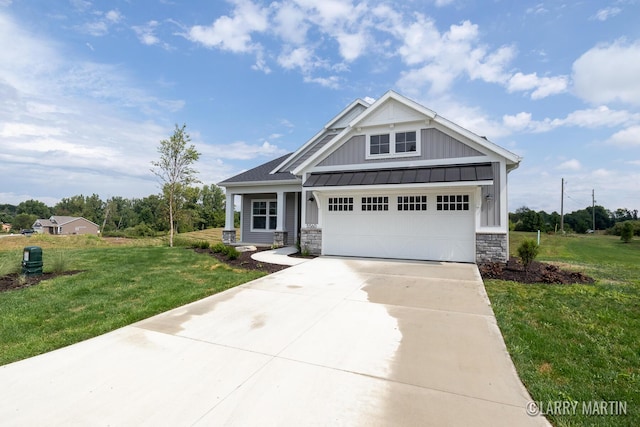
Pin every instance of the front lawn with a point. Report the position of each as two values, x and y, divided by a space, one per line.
118 286
577 343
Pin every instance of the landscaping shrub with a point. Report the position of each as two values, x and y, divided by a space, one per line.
232 253
202 244
59 262
616 230
182 242
626 234
229 251
219 248
528 251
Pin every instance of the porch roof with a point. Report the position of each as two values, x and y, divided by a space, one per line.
418 175
261 173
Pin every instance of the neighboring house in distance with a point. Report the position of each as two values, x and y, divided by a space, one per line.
391 179
65 225
6 227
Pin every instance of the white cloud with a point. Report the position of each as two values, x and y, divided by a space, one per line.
541 87
301 57
601 173
518 122
100 26
629 137
608 73
233 33
538 9
240 150
147 35
114 16
592 118
332 82
351 45
606 13
441 58
290 23
572 165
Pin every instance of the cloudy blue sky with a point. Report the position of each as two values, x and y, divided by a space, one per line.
88 88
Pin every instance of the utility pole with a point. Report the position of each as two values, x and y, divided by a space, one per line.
562 208
593 208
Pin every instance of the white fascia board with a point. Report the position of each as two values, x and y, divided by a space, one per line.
398 187
406 164
261 184
318 154
338 116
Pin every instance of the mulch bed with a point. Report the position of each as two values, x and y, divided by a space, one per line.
244 261
538 272
17 281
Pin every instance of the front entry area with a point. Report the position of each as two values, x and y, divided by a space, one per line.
419 225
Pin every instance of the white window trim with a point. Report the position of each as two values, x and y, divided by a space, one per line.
265 230
392 143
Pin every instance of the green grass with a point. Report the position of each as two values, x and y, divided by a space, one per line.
118 286
577 342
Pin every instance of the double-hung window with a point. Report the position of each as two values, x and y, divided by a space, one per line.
397 143
379 144
405 142
264 215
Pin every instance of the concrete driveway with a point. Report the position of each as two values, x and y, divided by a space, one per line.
331 341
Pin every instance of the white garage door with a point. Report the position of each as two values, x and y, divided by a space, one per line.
424 226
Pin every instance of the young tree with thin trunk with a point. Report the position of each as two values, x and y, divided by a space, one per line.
175 170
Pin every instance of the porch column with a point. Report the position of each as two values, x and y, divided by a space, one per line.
229 232
281 211
280 235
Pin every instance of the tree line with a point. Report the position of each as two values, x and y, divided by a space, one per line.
200 208
580 221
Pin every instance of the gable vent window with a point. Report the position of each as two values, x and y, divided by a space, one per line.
453 202
405 142
341 204
379 144
376 203
412 203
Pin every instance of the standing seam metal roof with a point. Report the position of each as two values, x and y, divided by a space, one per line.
421 175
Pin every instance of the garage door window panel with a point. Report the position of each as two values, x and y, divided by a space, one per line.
340 204
412 203
452 202
375 203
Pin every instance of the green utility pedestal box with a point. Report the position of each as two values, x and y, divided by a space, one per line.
32 261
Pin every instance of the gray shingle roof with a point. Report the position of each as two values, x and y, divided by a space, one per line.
421 175
262 173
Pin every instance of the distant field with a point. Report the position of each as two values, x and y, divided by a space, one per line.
577 343
122 281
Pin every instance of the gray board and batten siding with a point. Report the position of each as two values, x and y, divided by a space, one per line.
434 145
266 237
490 196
